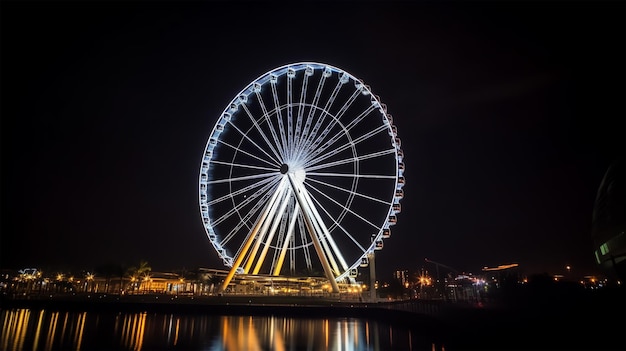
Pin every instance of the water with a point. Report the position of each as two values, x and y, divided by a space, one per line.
27 329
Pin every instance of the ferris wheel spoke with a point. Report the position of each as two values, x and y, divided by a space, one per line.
240 165
286 215
279 117
347 104
311 137
275 164
303 239
338 225
342 206
334 121
311 160
369 176
277 157
305 83
255 209
347 129
236 179
242 204
289 112
309 119
285 238
233 232
352 159
261 188
349 191
240 191
270 125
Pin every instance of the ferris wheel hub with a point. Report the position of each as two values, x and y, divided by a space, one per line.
284 168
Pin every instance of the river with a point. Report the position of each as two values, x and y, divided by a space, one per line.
30 329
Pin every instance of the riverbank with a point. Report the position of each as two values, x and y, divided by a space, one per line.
228 304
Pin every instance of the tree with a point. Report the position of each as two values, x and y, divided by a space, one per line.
135 273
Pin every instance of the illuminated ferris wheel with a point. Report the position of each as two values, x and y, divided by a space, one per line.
301 174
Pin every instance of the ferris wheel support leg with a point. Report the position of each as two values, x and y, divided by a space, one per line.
269 212
237 262
316 242
246 247
277 218
327 238
372 262
321 228
283 251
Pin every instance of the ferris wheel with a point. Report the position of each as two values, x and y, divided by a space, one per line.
301 174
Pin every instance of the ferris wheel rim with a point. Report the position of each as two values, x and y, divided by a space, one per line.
262 80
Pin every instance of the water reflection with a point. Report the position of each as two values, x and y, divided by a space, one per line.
24 329
132 330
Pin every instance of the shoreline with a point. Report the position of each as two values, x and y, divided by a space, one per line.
600 318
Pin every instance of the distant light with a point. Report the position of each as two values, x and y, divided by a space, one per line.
501 267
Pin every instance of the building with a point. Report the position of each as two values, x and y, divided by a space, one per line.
609 222
402 276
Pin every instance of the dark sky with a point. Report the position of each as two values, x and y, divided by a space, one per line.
509 115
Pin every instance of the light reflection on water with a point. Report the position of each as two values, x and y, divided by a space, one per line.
25 329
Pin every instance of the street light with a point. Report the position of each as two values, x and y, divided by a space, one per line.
146 280
437 264
88 279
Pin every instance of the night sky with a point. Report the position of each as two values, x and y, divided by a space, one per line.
509 114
